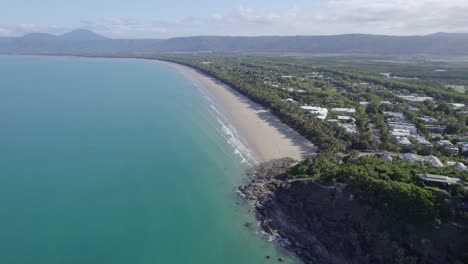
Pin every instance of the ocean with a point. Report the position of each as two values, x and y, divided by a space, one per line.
119 161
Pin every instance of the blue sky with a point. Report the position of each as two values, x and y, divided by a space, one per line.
157 19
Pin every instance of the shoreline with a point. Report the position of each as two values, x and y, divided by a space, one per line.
264 134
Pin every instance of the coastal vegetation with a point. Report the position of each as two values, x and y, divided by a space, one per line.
368 160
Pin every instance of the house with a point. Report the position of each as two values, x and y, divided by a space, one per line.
432 178
291 100
319 112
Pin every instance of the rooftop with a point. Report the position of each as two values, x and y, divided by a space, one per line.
438 178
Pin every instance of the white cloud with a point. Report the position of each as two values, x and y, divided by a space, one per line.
356 16
395 17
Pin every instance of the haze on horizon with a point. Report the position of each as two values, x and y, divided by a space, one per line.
153 19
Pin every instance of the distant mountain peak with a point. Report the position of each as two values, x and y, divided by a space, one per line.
82 34
449 35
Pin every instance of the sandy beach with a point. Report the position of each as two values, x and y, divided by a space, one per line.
265 134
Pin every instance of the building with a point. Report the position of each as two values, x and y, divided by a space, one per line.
396 115
387 157
438 179
436 128
421 140
428 119
457 165
291 100
433 160
404 142
349 127
463 146
415 98
319 112
344 110
411 157
448 146
402 126
346 118
457 106
414 109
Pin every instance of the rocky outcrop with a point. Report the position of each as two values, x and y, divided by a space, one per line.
323 224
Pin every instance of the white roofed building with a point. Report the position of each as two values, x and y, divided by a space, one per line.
319 112
344 110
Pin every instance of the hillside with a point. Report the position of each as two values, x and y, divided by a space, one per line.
87 42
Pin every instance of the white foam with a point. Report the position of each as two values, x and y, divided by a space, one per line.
239 148
228 131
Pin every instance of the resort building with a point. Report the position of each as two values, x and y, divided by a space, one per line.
404 142
414 109
457 165
344 110
318 112
428 119
463 146
436 128
438 179
397 115
448 146
433 160
346 118
457 106
421 140
415 98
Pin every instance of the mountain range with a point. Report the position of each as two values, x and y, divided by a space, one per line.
85 42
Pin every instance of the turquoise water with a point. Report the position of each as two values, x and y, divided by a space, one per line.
116 161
